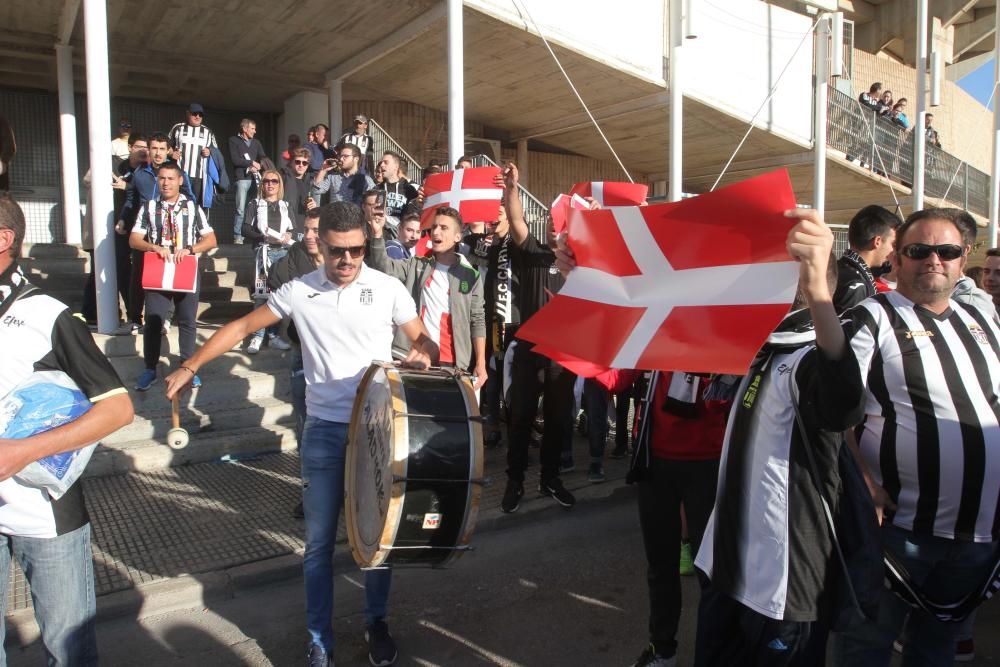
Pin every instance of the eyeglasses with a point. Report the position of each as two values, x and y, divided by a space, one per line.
301 162
196 113
270 181
354 251
945 251
346 156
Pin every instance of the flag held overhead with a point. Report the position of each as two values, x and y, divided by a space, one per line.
695 285
471 191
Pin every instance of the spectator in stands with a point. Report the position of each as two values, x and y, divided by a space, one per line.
269 225
401 247
932 135
991 275
51 539
870 236
138 155
245 153
464 162
898 114
192 143
120 145
172 226
398 191
295 184
943 532
294 143
448 292
360 138
531 373
319 147
350 184
884 107
871 99
142 188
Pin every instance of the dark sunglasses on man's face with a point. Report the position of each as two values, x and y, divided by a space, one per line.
354 251
196 113
945 251
302 163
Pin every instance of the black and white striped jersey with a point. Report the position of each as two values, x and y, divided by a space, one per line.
172 225
189 140
931 434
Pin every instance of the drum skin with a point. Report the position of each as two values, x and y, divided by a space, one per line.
414 464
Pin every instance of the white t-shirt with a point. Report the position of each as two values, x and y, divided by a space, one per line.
343 330
436 311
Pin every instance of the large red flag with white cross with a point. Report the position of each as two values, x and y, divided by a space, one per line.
695 285
471 191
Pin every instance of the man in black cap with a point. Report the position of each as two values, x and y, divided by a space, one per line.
192 143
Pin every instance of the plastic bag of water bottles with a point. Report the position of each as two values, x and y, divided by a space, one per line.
46 400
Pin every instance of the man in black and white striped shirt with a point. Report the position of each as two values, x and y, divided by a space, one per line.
931 435
192 143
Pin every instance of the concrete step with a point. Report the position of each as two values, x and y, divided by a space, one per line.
150 455
232 371
52 251
227 263
52 266
217 294
202 417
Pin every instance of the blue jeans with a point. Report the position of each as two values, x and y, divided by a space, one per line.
946 571
242 190
298 388
324 446
60 573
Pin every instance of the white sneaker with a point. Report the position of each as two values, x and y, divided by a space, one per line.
166 327
254 346
277 343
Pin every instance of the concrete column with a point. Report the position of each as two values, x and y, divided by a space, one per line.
995 175
100 204
919 138
335 90
523 168
456 82
819 113
674 63
67 145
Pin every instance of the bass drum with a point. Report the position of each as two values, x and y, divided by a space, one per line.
414 467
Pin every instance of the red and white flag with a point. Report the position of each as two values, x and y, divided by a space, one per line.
695 285
423 247
158 274
612 193
560 210
471 191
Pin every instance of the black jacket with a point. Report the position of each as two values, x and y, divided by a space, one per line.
238 150
855 282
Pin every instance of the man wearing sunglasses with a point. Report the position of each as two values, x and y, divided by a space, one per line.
245 152
930 439
192 143
344 313
297 184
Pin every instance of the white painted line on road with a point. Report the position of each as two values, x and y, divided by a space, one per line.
527 584
352 581
593 601
489 655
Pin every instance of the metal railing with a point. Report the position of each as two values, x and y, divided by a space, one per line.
885 147
382 141
535 212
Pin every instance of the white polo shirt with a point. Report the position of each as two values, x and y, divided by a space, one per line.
343 330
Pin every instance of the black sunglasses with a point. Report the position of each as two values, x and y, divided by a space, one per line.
354 251
301 161
270 181
945 251
196 113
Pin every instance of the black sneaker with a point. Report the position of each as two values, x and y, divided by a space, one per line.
650 658
619 452
318 657
512 496
381 649
555 488
595 474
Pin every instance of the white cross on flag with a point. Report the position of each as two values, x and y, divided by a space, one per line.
612 193
695 285
471 191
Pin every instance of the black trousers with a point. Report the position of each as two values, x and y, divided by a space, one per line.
730 633
623 402
157 308
532 375
664 486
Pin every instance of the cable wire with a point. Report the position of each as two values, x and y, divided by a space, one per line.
572 87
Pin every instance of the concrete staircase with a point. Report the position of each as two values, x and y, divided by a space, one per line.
243 406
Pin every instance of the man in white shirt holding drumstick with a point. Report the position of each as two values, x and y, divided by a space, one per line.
344 312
